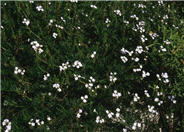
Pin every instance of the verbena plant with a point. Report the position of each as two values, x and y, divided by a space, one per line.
92 66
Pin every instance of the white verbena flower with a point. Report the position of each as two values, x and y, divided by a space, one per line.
37 47
40 8
26 21
54 35
77 64
124 59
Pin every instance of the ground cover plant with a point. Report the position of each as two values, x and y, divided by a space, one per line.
92 66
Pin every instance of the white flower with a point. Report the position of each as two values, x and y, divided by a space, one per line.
40 8
54 35
134 16
164 75
74 1
165 17
112 77
116 94
77 64
59 26
48 118
78 115
46 76
163 49
139 49
57 86
31 1
107 20
145 74
136 97
143 38
59 90
117 115
64 66
167 42
93 6
93 54
99 120
118 12
26 21
124 59
17 71
141 6
84 98
37 47
118 109
77 77
80 110
156 99
50 22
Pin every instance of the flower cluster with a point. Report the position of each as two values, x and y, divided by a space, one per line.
36 122
77 64
172 98
162 49
54 35
145 74
141 6
152 109
59 26
112 77
153 35
7 124
46 76
116 94
84 98
157 100
136 97
74 1
64 66
146 93
134 17
124 51
140 27
40 8
143 38
77 77
164 77
126 22
18 70
63 19
99 120
37 47
79 113
107 21
93 6
93 54
89 85
109 113
137 69
139 49
135 125
26 21
57 86
51 22
118 12
124 59
136 59
167 42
